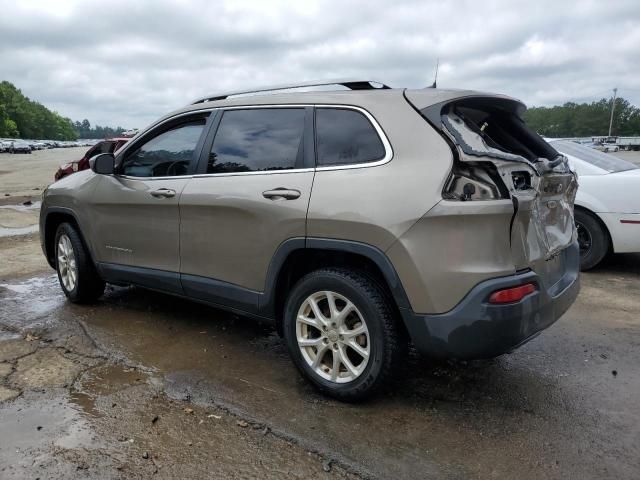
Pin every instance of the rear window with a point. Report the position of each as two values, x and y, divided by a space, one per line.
256 140
492 128
345 137
601 160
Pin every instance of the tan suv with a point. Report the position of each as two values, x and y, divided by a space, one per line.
356 219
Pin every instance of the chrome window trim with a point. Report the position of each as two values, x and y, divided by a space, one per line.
388 150
266 172
388 156
174 177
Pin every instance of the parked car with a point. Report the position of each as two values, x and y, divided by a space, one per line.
355 220
104 146
19 146
604 147
4 146
607 204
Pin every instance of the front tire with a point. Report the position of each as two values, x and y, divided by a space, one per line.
342 333
592 238
76 273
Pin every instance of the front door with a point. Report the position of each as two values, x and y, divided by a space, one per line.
137 220
251 194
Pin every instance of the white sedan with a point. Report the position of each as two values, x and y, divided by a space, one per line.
607 203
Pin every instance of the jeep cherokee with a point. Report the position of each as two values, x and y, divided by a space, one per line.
357 218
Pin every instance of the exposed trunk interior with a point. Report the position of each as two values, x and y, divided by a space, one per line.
498 157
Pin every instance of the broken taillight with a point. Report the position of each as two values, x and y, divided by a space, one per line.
477 181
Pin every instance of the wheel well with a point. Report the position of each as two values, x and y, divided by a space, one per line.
602 224
303 261
52 222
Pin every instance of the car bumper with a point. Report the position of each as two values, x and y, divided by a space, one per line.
477 329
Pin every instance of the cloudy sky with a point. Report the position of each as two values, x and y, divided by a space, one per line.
128 62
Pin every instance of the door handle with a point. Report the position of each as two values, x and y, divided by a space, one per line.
278 193
163 193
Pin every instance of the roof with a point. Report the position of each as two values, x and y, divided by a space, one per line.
358 95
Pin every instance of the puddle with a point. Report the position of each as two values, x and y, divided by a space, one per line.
17 231
29 303
29 428
4 335
22 208
101 382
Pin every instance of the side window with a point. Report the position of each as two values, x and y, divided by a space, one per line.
344 137
258 139
166 155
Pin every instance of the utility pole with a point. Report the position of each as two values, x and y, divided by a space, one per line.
613 104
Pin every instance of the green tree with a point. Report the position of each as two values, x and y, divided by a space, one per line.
25 118
585 119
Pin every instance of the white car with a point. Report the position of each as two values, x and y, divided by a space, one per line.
603 147
607 203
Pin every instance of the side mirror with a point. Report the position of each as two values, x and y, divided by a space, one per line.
104 163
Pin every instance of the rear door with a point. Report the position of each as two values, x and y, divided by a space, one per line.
137 219
250 194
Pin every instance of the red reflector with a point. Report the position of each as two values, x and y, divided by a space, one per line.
514 294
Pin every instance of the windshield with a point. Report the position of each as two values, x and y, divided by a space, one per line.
601 160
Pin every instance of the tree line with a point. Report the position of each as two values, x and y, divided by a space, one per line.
85 130
585 119
21 117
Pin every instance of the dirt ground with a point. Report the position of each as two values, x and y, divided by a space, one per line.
71 408
22 179
143 385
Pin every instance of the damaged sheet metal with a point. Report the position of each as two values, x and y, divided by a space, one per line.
542 192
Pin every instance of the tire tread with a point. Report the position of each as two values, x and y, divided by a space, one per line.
89 286
394 335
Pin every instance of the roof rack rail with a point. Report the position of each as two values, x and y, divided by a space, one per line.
350 84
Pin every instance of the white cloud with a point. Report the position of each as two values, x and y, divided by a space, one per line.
126 63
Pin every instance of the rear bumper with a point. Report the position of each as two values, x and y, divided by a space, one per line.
476 329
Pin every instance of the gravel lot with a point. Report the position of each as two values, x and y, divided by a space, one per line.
141 384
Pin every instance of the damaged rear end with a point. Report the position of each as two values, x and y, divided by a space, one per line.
498 157
514 195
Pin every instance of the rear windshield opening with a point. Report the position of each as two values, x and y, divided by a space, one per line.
499 126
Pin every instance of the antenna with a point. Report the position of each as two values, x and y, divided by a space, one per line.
435 79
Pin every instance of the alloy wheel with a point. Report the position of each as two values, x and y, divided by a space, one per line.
67 263
333 337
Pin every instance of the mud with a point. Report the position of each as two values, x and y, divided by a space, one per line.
217 382
143 385
73 407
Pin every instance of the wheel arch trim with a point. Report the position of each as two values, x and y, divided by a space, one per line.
268 300
43 230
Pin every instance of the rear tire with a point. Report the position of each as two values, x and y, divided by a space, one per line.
593 240
356 329
77 275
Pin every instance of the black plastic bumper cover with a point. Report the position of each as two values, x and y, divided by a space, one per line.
476 329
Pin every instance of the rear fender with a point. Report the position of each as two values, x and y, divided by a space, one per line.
542 192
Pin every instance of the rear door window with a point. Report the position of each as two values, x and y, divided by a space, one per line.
258 140
345 137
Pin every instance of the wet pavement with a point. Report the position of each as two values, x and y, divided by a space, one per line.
230 402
